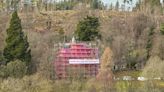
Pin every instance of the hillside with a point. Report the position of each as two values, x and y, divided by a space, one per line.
134 39
114 26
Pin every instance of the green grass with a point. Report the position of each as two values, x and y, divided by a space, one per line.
125 85
134 74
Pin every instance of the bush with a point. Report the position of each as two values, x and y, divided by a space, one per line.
3 71
31 83
16 69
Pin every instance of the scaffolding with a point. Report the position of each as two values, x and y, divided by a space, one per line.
77 59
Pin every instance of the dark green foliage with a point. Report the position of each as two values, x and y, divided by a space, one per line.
69 4
3 71
117 6
97 4
2 60
162 28
87 29
150 41
65 5
17 46
1 57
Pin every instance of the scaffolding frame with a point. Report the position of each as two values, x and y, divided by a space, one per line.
79 51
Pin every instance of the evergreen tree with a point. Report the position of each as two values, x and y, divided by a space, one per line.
117 6
17 47
65 5
87 29
97 4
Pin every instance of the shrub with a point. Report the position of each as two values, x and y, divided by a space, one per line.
3 71
16 69
31 83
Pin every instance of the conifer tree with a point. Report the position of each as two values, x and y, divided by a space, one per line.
87 29
117 6
97 4
17 47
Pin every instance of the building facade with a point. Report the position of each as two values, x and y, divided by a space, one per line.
77 59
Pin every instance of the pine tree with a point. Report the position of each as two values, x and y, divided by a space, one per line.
17 47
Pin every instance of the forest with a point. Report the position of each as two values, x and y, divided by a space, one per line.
130 43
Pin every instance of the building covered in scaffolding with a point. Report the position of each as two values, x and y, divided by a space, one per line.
77 59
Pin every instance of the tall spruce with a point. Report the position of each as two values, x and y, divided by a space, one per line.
17 47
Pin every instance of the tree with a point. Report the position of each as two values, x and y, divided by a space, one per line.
107 59
87 29
14 4
65 5
96 4
162 28
154 68
1 56
111 7
17 47
1 4
117 6
105 74
150 42
138 6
